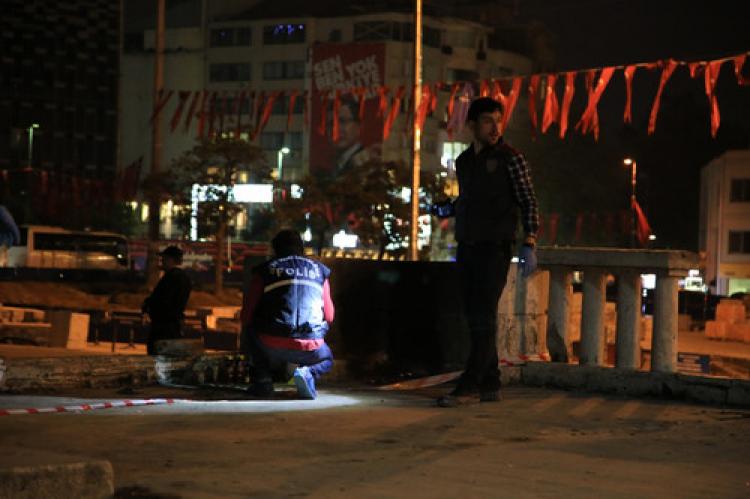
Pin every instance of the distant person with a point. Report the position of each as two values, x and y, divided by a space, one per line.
350 153
9 234
494 184
166 304
286 312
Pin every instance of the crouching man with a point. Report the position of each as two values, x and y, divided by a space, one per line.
286 312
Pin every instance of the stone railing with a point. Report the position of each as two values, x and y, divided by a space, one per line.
626 266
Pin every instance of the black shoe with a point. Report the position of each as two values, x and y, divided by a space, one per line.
490 396
260 390
454 399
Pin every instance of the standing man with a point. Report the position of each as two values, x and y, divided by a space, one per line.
166 304
285 315
494 183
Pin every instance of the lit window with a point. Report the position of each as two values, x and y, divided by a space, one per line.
281 34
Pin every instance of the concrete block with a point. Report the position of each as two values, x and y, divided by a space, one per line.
716 330
69 329
93 479
738 331
731 311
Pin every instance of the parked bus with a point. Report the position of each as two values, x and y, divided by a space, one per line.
55 247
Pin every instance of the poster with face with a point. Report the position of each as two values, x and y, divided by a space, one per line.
344 67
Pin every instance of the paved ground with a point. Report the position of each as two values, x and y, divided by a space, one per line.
349 443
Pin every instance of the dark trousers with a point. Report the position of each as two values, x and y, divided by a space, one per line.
483 269
263 358
162 331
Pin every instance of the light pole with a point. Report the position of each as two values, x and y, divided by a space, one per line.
631 163
31 129
280 160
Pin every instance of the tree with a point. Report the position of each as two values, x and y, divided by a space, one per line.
366 201
215 165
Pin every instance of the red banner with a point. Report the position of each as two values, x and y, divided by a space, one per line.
666 73
347 67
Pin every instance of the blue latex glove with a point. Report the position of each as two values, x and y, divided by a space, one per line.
527 261
443 209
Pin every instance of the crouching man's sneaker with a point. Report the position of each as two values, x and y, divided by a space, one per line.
305 383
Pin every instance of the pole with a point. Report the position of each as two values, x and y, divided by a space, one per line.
416 132
31 143
154 211
632 206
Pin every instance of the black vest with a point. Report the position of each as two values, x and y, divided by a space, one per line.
486 208
292 301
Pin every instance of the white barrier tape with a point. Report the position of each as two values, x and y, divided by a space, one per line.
86 407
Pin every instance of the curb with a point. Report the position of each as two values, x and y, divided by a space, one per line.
82 480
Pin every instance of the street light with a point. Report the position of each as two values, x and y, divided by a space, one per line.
31 129
631 162
280 160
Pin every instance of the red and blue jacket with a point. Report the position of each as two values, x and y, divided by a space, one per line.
288 304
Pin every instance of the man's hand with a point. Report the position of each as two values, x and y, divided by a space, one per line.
527 260
443 209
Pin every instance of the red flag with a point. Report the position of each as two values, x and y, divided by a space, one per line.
183 95
712 75
510 102
579 226
336 106
484 88
305 111
383 103
393 113
452 100
212 113
160 102
554 220
642 228
533 87
292 102
669 68
424 105
739 62
628 73
267 108
191 109
570 88
551 111
590 119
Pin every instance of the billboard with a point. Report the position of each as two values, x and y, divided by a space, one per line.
340 66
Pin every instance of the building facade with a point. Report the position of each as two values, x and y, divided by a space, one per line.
724 236
58 107
243 51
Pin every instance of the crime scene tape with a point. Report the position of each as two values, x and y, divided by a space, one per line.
86 407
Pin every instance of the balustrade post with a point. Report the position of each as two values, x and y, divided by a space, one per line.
592 317
627 338
560 294
664 339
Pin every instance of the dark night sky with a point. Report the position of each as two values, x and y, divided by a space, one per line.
596 33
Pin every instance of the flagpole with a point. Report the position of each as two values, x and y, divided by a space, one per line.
416 133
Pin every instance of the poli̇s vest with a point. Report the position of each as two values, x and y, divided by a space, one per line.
292 301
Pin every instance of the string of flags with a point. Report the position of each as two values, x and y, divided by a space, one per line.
553 93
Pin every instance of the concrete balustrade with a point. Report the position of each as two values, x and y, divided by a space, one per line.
627 266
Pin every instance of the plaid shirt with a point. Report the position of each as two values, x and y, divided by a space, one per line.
523 189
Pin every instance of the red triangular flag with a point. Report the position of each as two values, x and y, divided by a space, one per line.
570 88
628 72
669 68
551 111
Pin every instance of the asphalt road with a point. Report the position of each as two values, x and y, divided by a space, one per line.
356 443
